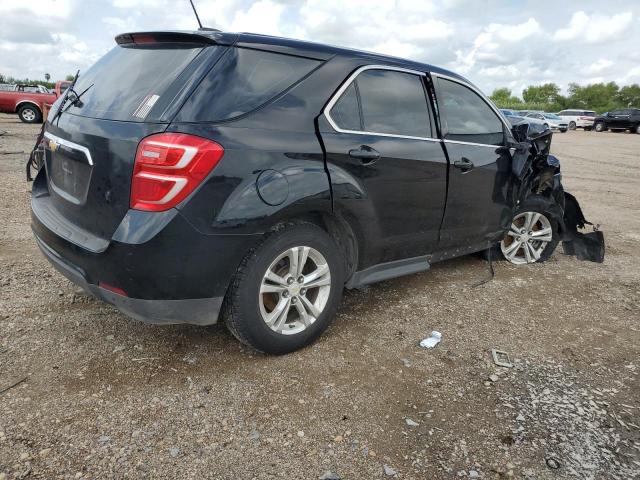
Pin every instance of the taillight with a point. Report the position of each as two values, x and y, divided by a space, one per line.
168 167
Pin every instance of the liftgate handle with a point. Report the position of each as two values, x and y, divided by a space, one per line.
463 164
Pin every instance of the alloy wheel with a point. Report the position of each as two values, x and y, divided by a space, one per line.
295 290
28 114
529 235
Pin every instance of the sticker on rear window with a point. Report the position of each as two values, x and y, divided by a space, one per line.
145 107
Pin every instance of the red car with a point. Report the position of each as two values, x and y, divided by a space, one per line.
30 105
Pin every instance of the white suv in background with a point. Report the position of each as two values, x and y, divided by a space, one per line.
578 118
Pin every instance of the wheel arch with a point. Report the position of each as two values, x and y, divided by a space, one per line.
31 102
345 232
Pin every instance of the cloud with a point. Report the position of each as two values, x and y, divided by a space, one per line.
494 44
596 28
600 65
263 16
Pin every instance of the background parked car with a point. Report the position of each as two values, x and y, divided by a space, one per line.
30 105
578 118
509 113
626 119
551 120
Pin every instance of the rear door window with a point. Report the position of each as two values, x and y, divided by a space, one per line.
126 83
384 102
242 81
346 111
467 116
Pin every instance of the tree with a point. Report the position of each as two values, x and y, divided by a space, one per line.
70 78
600 97
502 98
548 93
629 96
47 77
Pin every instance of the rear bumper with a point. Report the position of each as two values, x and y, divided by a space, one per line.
584 123
197 311
175 275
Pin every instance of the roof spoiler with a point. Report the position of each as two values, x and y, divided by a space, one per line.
203 37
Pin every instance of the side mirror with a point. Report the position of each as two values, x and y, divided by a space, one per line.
521 131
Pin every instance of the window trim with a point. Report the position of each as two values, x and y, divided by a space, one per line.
484 98
336 96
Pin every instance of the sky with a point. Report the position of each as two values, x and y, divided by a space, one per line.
509 43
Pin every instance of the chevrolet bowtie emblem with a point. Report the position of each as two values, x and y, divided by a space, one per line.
53 145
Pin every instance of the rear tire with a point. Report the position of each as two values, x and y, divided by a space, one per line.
268 307
638 128
30 114
572 125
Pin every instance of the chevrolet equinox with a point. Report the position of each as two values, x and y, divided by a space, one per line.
195 176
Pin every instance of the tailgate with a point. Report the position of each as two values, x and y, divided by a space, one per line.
91 143
89 164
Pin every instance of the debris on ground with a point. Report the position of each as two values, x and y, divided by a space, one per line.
389 471
501 359
432 340
411 423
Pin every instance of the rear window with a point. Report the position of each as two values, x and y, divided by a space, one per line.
130 79
242 81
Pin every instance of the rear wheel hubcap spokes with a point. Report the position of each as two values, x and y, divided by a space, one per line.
295 290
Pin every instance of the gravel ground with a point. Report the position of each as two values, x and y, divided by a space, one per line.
106 397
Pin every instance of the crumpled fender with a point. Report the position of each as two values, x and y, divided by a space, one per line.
585 246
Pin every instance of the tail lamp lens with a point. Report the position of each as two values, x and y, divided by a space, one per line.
168 167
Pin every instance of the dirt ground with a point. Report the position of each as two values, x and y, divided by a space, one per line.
107 397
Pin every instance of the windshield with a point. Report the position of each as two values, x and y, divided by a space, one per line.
128 81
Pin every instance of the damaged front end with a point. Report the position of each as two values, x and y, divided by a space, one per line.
538 174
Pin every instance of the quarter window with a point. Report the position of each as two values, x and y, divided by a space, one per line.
346 111
468 117
384 102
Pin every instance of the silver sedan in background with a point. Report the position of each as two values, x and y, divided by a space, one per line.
550 120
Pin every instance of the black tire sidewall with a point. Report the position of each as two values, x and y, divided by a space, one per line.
37 114
247 312
539 205
598 127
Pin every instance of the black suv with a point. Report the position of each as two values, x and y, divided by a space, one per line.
192 176
625 119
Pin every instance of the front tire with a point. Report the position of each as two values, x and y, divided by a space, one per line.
30 114
287 291
637 129
533 235
599 127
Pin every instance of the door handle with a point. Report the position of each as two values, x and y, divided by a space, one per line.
463 164
365 154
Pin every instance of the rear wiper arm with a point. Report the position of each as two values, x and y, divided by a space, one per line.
76 101
64 97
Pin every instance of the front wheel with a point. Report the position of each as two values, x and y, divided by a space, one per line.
29 114
637 129
599 127
532 237
287 291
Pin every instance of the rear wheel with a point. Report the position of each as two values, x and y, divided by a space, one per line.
30 114
638 128
533 236
287 291
572 125
599 127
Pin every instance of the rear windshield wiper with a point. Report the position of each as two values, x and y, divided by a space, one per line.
64 97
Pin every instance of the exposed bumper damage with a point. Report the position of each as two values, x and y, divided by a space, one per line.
538 174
